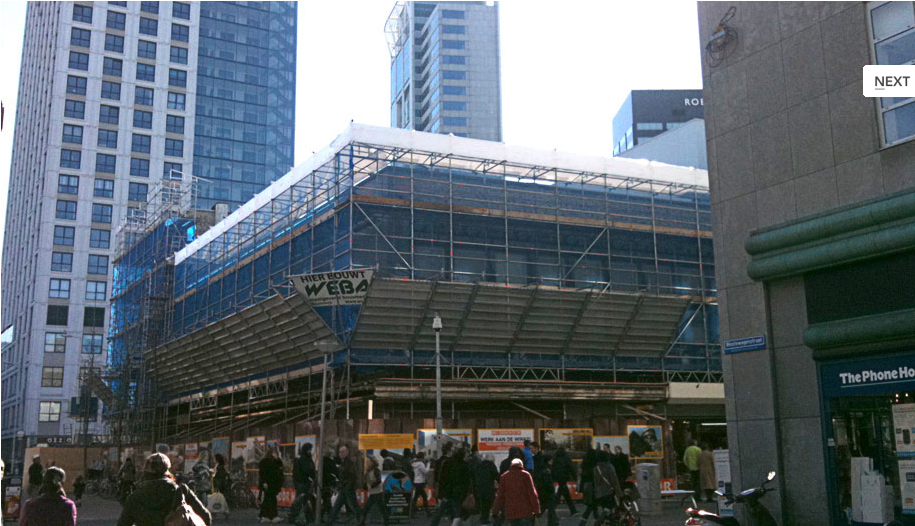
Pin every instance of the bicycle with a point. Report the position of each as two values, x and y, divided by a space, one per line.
102 487
242 495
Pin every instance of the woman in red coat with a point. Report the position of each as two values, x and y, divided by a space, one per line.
517 498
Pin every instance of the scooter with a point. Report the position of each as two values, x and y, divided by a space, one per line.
759 515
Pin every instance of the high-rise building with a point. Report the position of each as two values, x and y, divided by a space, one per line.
445 68
114 96
647 113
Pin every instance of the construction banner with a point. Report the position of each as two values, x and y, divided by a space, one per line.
497 442
394 441
345 287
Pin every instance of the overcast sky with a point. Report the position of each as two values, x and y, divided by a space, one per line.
566 68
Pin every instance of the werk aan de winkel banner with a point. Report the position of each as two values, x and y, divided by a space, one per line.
497 442
344 287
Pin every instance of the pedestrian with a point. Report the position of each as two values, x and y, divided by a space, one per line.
127 475
586 485
376 492
50 505
420 476
270 481
517 500
157 495
563 472
330 482
528 456
348 480
513 453
303 476
35 471
543 482
485 476
621 464
79 487
203 477
607 489
406 463
454 482
222 481
388 460
708 482
691 459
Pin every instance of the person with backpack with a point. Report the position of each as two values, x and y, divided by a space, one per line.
50 506
376 492
159 501
271 478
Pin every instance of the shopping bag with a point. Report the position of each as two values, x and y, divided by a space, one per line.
217 504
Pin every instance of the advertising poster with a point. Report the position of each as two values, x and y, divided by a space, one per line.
425 439
301 440
496 442
11 497
220 446
576 442
608 443
190 456
904 424
373 443
645 442
723 474
205 453
254 451
907 485
237 464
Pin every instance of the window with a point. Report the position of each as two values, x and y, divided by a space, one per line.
108 114
172 170
82 13
52 376
143 96
454 59
454 106
76 85
114 43
181 10
454 121
65 209
75 109
99 238
177 77
105 163
174 147
79 60
447 13
49 411
453 29
61 261
137 192
93 316
893 43
140 143
146 49
96 290
149 26
649 126
73 133
103 188
59 288
68 184
149 7
174 124
180 32
70 158
107 139
97 264
175 101
101 213
111 90
452 44
119 4
139 167
58 314
454 90
454 75
63 235
116 20
92 343
178 55
80 37
55 342
146 72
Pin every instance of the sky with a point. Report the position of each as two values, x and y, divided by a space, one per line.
566 68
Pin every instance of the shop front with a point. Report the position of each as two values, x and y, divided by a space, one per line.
868 403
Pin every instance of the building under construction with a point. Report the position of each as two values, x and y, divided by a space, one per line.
571 289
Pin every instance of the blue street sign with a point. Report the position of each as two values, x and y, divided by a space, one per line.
753 343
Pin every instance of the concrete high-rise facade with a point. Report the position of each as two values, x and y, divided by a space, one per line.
445 68
114 96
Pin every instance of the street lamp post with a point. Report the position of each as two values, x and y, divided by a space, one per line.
437 327
326 347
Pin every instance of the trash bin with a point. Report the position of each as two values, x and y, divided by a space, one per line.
648 480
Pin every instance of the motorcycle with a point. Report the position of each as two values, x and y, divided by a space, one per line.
759 515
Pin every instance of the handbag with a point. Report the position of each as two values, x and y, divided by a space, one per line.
217 504
182 513
469 505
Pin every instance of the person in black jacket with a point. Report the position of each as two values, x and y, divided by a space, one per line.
156 496
513 453
349 477
35 472
303 475
543 482
454 482
563 472
586 485
271 480
485 475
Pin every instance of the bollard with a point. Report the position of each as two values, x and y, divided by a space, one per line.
648 480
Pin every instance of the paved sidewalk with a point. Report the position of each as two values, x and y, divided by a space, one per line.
100 512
